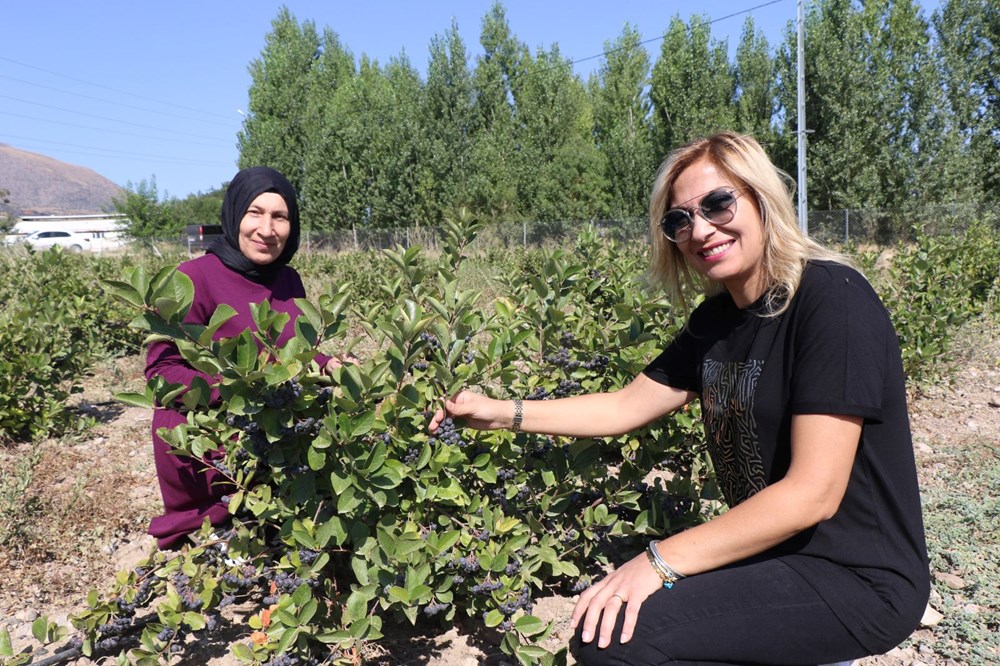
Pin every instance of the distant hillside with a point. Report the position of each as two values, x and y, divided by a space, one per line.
41 185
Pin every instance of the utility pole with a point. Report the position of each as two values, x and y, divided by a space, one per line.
801 93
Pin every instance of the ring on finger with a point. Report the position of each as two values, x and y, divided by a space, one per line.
620 597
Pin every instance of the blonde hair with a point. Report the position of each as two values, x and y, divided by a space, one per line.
742 161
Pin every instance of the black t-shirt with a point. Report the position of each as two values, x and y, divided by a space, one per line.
833 351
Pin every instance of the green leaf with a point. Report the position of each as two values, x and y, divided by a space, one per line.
39 629
529 625
135 400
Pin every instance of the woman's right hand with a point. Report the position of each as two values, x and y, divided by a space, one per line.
477 411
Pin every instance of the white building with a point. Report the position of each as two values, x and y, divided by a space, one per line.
106 231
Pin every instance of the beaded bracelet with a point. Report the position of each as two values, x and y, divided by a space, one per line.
667 573
515 425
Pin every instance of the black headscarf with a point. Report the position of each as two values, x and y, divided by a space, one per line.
246 186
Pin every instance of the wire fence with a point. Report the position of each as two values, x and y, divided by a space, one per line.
830 227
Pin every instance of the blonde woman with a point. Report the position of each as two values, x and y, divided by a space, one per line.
821 556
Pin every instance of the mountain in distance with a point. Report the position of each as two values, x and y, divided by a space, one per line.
40 185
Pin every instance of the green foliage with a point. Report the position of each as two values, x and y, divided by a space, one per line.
346 512
148 218
621 126
56 322
935 285
693 85
898 114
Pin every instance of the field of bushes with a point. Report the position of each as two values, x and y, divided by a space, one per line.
347 513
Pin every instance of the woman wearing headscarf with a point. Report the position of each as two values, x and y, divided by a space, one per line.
247 265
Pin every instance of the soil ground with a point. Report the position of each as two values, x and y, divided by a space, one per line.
74 512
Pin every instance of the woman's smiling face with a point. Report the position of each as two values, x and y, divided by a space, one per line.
731 254
265 228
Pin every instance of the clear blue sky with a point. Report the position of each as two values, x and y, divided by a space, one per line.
142 89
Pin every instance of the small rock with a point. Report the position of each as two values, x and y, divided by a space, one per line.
950 579
26 615
971 609
972 425
931 617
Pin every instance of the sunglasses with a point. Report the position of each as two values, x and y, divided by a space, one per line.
718 207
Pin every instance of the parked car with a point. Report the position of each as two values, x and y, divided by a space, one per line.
200 236
43 240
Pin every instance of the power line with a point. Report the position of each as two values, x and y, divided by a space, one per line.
115 102
101 129
103 152
113 120
114 90
656 39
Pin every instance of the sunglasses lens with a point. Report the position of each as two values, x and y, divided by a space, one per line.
675 224
717 206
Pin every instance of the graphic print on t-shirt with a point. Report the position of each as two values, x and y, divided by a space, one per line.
728 390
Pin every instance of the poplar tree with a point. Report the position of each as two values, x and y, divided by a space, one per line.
622 127
693 85
447 115
968 50
498 74
275 131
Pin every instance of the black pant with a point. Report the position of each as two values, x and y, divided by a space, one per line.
758 613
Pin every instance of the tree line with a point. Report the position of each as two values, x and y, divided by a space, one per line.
901 110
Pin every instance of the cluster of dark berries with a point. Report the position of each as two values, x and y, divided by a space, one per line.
114 631
308 556
469 564
238 581
540 393
595 274
430 341
447 434
506 474
189 599
570 536
220 465
523 601
412 455
167 634
597 363
282 660
486 587
421 365
283 394
581 584
434 608
287 583
323 395
212 622
142 594
256 438
566 387
512 568
307 426
562 359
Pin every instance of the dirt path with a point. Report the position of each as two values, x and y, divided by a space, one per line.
82 508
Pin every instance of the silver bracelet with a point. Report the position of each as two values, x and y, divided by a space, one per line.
515 425
667 573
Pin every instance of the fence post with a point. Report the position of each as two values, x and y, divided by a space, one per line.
354 231
847 225
524 234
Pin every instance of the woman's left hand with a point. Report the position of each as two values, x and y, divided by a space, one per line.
337 361
627 586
